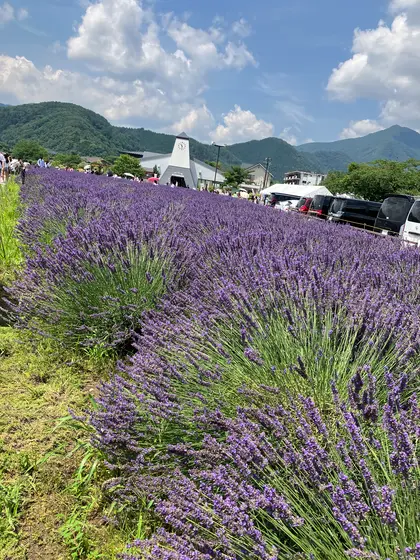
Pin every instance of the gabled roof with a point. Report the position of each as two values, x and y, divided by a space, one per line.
183 136
249 166
134 154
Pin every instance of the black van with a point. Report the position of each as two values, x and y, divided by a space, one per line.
320 206
357 213
394 213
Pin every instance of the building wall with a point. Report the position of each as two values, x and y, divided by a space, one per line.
160 161
206 175
257 175
304 178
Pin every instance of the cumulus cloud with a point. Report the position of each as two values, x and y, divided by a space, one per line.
115 99
198 122
9 13
360 128
385 66
132 46
241 126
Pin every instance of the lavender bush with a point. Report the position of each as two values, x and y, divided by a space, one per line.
294 481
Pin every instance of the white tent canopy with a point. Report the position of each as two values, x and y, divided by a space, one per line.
296 190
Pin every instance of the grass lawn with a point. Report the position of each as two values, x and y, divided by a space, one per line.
50 499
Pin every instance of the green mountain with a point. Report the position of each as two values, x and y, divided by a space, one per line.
287 158
64 127
395 143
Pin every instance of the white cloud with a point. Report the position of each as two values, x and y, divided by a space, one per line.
115 99
288 136
198 122
205 48
241 126
385 66
22 14
131 46
241 28
360 128
8 13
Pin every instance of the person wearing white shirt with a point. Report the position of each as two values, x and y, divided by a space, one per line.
2 167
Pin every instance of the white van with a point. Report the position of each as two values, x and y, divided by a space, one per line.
412 225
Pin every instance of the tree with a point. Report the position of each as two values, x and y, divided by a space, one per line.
29 150
128 164
236 176
156 171
373 181
67 160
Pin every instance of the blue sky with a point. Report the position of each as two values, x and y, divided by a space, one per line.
223 71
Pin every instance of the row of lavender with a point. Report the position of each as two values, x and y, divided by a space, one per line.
269 409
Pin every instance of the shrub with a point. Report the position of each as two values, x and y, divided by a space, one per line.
93 295
295 482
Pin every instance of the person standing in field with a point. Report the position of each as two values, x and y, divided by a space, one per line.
7 160
2 167
41 162
22 168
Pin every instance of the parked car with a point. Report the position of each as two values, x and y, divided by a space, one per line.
357 213
393 214
412 225
304 204
275 199
320 206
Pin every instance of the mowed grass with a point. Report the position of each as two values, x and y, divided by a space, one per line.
51 504
10 253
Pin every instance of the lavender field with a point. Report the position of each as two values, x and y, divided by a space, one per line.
259 393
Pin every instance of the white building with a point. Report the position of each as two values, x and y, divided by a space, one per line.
257 174
304 178
179 168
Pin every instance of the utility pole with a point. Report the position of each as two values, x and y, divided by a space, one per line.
218 146
267 167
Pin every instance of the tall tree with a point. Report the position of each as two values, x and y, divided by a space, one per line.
236 176
128 164
67 160
29 150
373 181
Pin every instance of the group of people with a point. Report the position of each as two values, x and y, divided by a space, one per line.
10 165
42 163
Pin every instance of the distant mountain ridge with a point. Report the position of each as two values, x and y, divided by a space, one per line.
394 143
64 127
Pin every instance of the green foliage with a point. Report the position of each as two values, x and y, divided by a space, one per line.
117 312
67 160
156 171
10 254
11 498
373 181
29 150
128 164
236 176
